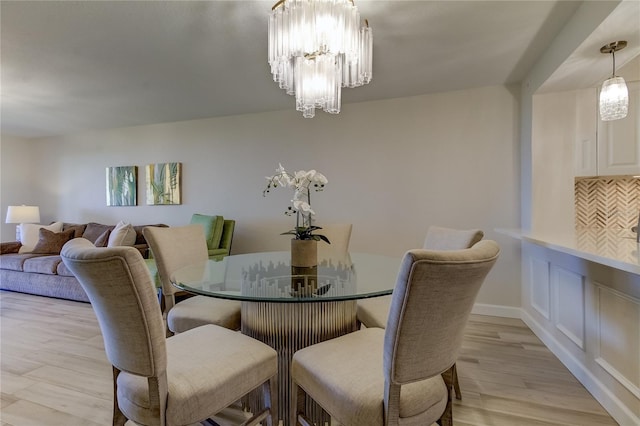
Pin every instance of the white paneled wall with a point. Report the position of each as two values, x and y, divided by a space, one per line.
618 336
568 304
540 294
589 316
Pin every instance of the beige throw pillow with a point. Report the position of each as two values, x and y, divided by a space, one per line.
30 234
122 235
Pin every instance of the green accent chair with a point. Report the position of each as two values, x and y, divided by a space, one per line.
218 232
153 270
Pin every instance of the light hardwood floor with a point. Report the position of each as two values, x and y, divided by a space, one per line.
54 372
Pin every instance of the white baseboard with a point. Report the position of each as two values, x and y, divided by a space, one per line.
620 412
497 310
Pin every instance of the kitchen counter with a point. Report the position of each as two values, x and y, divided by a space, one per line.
614 248
581 297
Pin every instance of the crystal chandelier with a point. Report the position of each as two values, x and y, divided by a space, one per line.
614 96
317 47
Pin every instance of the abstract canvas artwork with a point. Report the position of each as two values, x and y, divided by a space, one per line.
122 184
163 183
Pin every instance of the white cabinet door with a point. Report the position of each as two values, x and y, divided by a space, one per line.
619 140
585 137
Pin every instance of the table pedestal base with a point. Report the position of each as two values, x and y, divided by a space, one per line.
287 327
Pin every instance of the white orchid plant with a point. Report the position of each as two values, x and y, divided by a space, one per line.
303 183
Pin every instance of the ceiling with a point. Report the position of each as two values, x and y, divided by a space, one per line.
68 67
586 66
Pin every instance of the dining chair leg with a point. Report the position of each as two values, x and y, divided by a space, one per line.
119 418
297 415
271 400
257 419
447 417
293 414
456 384
267 413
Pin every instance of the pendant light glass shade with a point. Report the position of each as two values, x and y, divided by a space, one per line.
614 99
614 96
317 47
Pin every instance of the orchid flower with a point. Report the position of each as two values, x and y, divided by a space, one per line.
319 178
302 181
303 206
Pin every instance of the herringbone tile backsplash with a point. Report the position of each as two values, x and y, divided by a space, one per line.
607 202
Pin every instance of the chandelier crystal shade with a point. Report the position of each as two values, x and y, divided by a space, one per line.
614 96
317 47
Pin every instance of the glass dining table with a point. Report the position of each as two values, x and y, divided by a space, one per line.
288 307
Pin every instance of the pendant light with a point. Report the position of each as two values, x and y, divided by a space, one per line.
614 96
317 47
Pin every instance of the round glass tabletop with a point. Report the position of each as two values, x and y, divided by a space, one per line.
269 277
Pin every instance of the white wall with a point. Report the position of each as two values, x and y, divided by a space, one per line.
554 137
17 180
394 168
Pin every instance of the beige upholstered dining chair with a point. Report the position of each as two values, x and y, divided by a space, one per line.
440 238
178 380
394 376
177 247
375 312
339 234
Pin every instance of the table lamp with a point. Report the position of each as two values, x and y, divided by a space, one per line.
22 214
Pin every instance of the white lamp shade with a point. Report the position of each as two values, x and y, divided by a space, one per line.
614 99
23 214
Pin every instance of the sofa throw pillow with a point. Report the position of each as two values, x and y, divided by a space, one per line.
78 228
30 234
94 230
138 228
103 239
52 242
122 235
10 247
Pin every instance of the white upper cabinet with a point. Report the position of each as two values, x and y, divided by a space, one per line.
618 143
586 151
